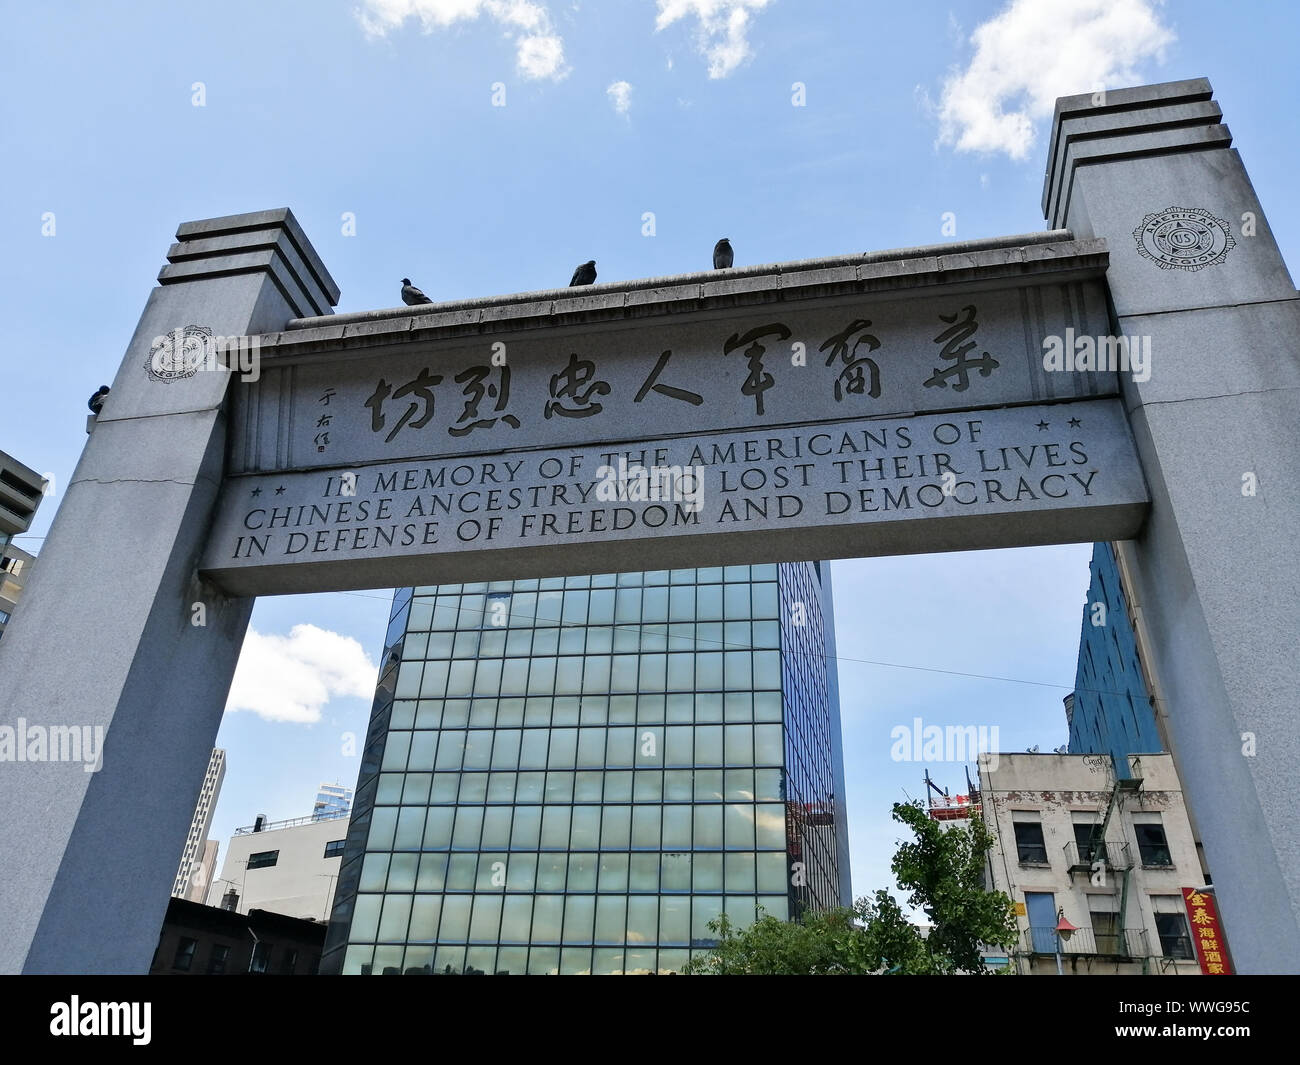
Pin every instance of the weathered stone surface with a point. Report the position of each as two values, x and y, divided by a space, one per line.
777 363
1025 475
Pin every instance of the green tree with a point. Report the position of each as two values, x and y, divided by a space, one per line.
942 872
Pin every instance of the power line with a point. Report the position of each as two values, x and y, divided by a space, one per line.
743 647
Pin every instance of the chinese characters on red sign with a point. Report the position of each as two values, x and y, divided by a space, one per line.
1207 933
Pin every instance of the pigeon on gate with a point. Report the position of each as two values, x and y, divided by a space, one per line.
96 403
584 274
411 295
722 255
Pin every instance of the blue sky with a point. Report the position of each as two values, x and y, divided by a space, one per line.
683 108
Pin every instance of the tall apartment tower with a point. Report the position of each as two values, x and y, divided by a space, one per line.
576 775
199 858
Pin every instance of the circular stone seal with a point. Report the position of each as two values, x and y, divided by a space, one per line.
179 354
1183 238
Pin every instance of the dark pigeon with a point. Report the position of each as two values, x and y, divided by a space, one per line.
585 274
723 256
411 295
96 403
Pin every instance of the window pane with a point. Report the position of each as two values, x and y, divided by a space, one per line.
770 825
708 826
516 918
397 915
451 748
410 828
579 912
564 748
478 749
532 753
613 872
423 747
591 748
559 787
425 911
526 828
642 918
585 832
708 784
676 827
582 872
769 745
505 749
555 826
703 910
678 739
708 745
548 913
486 920
469 827
496 826
740 872
645 826
740 745
616 827
740 827
611 918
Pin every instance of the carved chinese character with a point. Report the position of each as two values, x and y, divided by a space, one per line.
844 347
475 392
326 396
422 387
963 327
651 384
323 421
758 381
321 441
568 384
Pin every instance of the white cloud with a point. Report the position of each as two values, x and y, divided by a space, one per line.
1036 50
539 51
722 33
290 678
620 95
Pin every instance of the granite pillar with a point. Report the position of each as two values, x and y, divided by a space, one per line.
1194 268
118 642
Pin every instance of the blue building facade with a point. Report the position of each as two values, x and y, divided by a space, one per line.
1112 712
578 774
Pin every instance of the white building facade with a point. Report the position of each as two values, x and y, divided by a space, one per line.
288 867
1114 857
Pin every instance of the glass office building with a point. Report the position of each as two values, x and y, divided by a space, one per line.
577 774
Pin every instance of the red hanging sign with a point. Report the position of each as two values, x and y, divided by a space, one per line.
1207 933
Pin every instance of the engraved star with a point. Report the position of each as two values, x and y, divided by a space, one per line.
1075 423
280 490
1042 426
256 492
